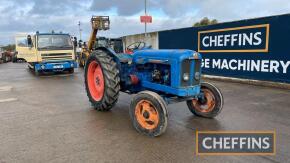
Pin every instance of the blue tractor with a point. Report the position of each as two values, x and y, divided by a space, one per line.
157 78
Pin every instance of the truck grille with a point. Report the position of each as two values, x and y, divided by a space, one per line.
188 68
56 57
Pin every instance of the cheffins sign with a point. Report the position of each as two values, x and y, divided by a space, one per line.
253 38
257 49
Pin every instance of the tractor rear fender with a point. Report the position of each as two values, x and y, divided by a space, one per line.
110 52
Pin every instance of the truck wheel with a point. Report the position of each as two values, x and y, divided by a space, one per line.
148 112
102 80
211 105
14 59
71 70
37 73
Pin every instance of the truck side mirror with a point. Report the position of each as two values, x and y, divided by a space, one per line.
29 41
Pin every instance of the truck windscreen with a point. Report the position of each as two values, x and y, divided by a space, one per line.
54 42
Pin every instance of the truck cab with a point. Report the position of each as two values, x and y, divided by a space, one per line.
46 52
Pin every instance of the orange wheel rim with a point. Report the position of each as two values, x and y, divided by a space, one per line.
96 81
209 103
146 115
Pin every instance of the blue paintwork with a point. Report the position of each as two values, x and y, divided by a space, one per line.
164 54
184 92
165 60
49 66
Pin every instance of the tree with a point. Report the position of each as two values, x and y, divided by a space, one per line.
205 21
10 47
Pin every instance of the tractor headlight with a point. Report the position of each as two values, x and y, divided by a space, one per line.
185 76
72 65
42 67
195 55
197 76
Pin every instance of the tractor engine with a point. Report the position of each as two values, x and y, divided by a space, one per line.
155 72
175 72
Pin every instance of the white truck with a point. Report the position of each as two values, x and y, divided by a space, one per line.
46 51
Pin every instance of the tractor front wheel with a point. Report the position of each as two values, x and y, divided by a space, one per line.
210 105
102 80
148 112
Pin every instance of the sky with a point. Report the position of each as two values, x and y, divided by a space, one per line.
29 16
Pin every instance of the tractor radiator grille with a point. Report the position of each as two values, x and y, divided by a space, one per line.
190 67
56 57
197 68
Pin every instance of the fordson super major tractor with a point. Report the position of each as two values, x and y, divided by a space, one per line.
156 77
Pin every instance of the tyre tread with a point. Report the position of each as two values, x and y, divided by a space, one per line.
112 81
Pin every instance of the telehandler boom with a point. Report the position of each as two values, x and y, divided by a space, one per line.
97 23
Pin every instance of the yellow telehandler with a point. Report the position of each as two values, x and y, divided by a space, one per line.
97 23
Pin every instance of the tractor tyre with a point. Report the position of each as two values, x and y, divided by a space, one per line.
102 80
211 105
148 112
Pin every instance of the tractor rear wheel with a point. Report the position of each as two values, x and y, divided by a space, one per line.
211 105
102 80
148 112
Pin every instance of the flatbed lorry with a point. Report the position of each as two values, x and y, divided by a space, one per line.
46 52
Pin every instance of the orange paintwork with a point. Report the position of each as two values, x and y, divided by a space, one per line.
208 106
147 115
96 81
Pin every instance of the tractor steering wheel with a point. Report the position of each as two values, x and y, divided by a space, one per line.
136 46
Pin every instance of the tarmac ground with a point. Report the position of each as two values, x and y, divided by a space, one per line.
49 119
